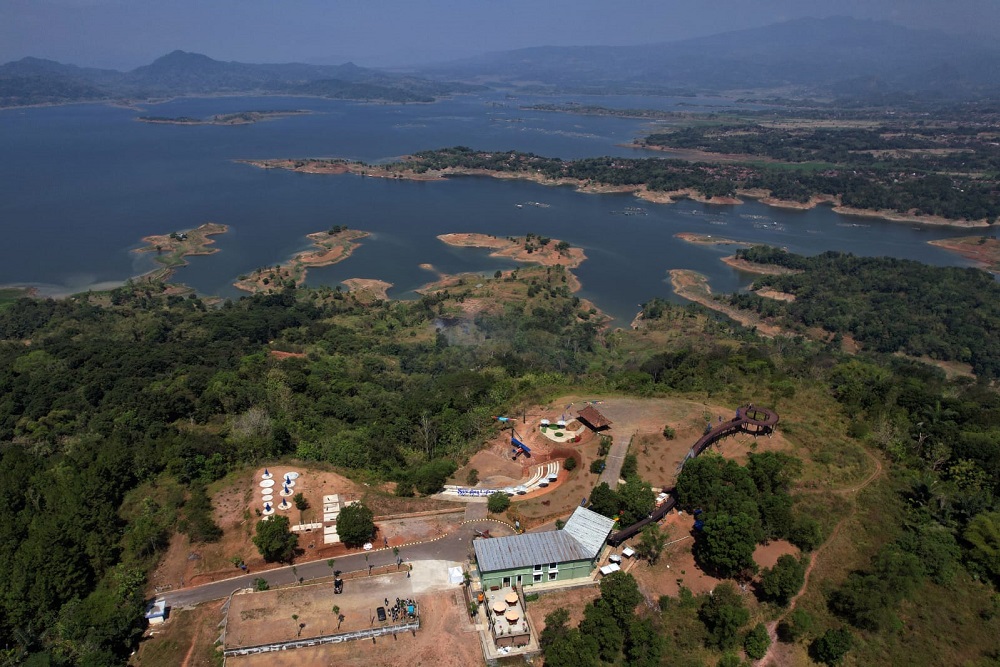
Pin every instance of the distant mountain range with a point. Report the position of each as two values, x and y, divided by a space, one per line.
832 57
36 81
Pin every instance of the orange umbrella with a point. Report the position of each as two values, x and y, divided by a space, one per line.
511 598
512 615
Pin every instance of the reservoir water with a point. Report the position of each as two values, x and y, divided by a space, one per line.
81 185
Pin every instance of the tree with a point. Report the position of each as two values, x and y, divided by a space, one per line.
336 612
805 533
620 592
757 642
555 627
773 472
983 533
723 614
727 543
569 464
301 504
644 646
275 542
637 500
781 582
356 524
573 649
599 622
795 626
651 543
831 648
597 466
630 466
604 500
497 502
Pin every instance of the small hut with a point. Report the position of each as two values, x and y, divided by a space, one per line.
593 418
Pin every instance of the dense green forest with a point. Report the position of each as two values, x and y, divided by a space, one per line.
909 146
888 305
952 196
102 394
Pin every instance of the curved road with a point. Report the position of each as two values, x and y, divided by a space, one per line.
452 547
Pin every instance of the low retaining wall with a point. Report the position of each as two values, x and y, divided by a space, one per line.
325 639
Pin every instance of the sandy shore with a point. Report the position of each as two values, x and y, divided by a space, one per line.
760 269
520 249
983 250
708 239
330 248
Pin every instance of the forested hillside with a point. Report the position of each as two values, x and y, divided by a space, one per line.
888 305
104 394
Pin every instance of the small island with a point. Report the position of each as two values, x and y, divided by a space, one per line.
984 250
239 118
332 246
530 248
708 239
172 249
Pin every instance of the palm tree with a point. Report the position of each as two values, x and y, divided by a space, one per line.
340 619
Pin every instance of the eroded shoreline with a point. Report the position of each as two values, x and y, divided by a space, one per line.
332 246
341 166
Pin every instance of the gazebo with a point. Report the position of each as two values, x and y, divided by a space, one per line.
593 418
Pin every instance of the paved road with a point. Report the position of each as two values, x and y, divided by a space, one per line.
454 547
613 463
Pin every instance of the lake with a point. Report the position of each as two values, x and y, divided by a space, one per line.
81 185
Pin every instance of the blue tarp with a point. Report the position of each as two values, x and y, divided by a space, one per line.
515 441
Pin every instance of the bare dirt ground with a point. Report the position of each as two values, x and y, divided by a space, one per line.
676 566
573 600
235 502
186 639
446 638
494 469
767 555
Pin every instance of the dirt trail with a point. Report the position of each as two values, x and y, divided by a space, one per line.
772 627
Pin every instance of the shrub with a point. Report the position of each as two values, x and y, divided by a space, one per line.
669 433
781 582
757 642
570 463
498 502
831 648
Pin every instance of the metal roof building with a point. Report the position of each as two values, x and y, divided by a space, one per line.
527 549
556 554
590 529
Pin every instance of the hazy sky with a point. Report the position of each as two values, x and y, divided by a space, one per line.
126 33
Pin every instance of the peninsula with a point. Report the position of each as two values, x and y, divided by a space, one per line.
172 249
984 250
240 118
666 181
332 246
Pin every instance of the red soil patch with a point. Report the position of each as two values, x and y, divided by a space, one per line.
767 555
278 354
